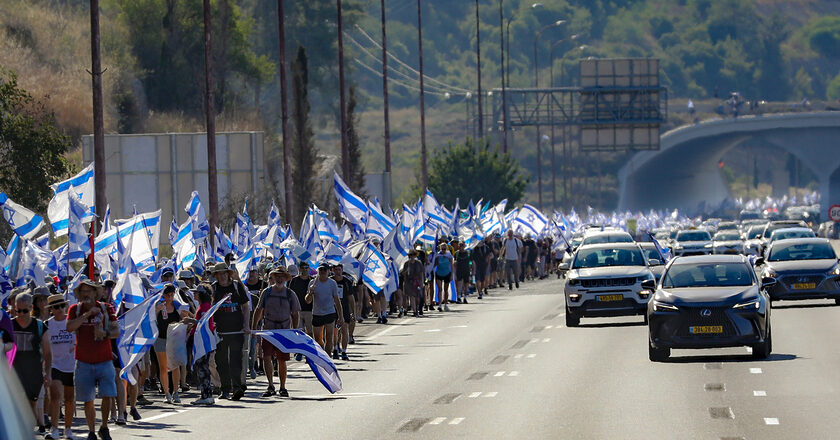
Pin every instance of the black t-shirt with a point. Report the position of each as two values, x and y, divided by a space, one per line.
229 317
479 255
532 249
462 261
300 286
346 288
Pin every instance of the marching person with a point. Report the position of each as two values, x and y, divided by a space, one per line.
443 275
95 324
326 306
169 311
278 308
33 361
512 249
347 293
414 274
232 324
202 364
62 347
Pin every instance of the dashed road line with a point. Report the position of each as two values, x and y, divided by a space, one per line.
432 330
499 373
759 393
491 394
437 421
456 420
474 395
513 373
755 370
547 340
531 356
518 356
771 421
548 327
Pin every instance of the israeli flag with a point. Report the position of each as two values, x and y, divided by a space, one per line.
395 246
274 215
173 231
82 185
333 254
298 342
138 332
223 245
665 254
23 221
246 262
433 211
377 269
205 339
77 235
352 207
129 289
531 220
378 224
198 217
106 221
297 251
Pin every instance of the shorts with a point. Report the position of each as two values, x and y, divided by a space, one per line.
463 275
446 278
305 321
160 346
322 320
66 379
480 273
270 350
88 376
345 309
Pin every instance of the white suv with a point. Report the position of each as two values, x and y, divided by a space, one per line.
606 280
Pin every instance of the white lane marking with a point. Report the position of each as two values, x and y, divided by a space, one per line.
456 420
755 370
437 421
458 326
760 393
432 330
547 340
514 373
561 315
474 395
771 421
160 416
517 356
499 373
381 333
531 356
535 340
491 394
391 327
749 349
549 327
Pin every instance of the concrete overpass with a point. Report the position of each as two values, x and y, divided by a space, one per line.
683 173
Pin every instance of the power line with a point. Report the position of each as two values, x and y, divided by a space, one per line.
397 82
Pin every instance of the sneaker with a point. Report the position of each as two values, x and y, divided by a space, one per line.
91 436
420 312
168 398
120 421
415 314
400 315
206 401
440 309
384 320
359 320
253 374
224 396
458 301
176 398
517 285
142 400
465 300
379 320
237 395
335 354
352 340
185 387
446 307
284 392
135 414
510 286
269 392
344 356
480 296
104 433
68 434
298 357
53 434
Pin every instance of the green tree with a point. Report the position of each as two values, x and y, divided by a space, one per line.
304 154
466 172
31 148
354 147
833 89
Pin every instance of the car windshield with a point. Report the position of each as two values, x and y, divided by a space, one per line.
727 236
768 231
784 235
608 238
693 236
587 258
707 275
755 232
801 251
652 254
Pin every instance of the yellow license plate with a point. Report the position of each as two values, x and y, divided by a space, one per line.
804 286
605 298
705 329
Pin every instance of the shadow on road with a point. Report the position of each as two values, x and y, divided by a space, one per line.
729 358
802 306
614 324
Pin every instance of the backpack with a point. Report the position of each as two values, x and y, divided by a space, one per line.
268 313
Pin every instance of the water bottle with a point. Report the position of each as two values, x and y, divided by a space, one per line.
164 313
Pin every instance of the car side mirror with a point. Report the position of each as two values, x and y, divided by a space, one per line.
563 266
759 261
768 282
649 285
654 262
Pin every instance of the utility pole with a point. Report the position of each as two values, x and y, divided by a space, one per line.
98 123
385 99
504 89
284 116
423 101
478 71
210 114
345 153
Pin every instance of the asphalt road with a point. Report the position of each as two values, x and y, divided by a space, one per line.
507 367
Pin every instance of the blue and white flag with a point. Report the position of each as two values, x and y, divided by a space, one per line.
42 241
201 227
396 247
138 331
23 221
184 247
205 340
129 289
83 187
298 342
274 215
352 207
223 245
378 224
78 244
297 251
377 269
106 221
530 220
433 211
246 262
173 231
665 254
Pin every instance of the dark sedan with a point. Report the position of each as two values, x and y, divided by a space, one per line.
806 268
708 302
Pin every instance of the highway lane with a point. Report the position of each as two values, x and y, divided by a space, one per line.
507 367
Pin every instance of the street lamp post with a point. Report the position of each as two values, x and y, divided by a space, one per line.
504 89
565 170
536 84
422 101
478 69
551 117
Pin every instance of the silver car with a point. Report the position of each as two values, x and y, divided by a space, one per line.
806 268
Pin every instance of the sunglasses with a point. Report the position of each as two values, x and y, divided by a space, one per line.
22 310
60 306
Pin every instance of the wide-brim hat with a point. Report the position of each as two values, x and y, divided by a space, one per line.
220 267
56 300
280 270
87 282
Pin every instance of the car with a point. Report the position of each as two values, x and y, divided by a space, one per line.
727 226
788 233
692 242
772 226
752 239
728 241
657 266
806 268
709 301
609 236
747 214
606 280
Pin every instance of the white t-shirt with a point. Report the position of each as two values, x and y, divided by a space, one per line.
63 344
512 247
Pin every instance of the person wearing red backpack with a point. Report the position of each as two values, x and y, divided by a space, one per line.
95 324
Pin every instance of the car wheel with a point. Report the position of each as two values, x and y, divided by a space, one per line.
762 351
571 319
837 301
658 354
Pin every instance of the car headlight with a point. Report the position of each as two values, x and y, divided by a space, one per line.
708 245
752 304
834 271
659 306
769 273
